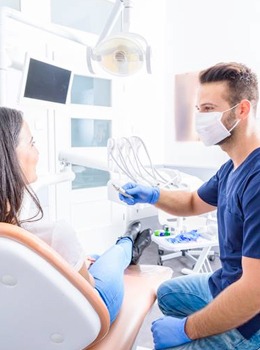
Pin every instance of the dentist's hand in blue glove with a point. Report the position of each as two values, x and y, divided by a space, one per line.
140 194
168 332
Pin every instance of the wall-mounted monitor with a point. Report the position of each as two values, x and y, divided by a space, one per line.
45 81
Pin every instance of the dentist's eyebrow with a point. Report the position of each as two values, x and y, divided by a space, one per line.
208 104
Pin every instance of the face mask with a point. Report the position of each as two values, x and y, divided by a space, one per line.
210 128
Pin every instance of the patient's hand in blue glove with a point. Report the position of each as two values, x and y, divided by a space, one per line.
168 332
140 194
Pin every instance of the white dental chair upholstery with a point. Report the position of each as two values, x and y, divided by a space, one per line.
46 305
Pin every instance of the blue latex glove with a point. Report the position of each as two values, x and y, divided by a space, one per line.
168 332
140 194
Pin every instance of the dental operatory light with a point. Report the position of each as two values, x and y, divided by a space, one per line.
124 53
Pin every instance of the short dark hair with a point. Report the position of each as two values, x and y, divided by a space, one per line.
241 81
13 185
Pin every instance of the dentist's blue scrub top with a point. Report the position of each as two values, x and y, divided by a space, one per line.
236 193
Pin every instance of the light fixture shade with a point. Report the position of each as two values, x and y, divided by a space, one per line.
121 55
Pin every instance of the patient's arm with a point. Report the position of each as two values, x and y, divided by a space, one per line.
84 272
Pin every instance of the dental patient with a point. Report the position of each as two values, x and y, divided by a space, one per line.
18 161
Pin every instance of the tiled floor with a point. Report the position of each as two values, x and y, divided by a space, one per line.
150 256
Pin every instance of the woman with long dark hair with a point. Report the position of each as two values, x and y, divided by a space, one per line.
18 160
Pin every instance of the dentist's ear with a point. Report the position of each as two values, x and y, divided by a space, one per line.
244 109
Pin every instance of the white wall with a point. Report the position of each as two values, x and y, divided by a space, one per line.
199 34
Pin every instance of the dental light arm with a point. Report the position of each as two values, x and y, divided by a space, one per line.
122 54
117 9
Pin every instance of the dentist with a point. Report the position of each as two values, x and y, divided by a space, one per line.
219 310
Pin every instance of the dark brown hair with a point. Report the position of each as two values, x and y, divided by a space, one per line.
13 185
241 81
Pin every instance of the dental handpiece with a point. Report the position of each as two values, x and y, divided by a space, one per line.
121 191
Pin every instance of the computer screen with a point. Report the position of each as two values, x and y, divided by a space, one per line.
45 81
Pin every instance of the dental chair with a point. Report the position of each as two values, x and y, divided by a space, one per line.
46 305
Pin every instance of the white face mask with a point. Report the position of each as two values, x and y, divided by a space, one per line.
210 128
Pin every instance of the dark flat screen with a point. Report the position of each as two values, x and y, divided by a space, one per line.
47 82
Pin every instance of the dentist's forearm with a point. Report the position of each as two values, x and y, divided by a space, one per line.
234 306
182 203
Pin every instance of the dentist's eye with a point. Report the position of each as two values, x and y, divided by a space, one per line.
207 109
